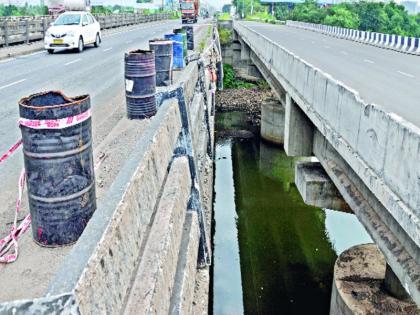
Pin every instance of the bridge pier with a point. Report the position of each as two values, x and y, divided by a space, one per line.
358 285
245 51
299 130
272 121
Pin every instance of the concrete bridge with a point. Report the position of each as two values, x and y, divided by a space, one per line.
355 108
146 249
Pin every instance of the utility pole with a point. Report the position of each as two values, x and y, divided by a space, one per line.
252 7
243 9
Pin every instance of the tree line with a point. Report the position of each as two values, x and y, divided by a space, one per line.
366 16
26 10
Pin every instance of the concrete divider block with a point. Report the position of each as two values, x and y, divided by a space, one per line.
301 73
373 136
197 116
153 285
279 62
319 92
189 78
349 121
294 72
107 253
332 103
183 292
404 177
309 83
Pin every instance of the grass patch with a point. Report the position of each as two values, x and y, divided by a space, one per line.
231 82
225 36
203 42
224 17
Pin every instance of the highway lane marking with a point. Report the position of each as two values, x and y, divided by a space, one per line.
327 46
108 49
71 62
313 42
344 52
32 54
368 61
129 42
37 53
405 74
11 84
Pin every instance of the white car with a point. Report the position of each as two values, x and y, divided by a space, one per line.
73 30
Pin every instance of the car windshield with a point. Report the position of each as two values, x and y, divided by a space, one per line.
68 19
187 6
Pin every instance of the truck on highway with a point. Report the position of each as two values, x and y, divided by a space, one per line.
189 10
56 7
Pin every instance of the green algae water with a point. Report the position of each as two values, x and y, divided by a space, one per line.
272 253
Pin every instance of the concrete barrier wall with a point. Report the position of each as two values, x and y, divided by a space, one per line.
404 44
146 230
381 147
28 29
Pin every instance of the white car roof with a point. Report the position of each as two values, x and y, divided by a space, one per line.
73 12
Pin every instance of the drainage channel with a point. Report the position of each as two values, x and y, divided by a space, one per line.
272 253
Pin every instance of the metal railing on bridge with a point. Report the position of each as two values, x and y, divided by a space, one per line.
14 30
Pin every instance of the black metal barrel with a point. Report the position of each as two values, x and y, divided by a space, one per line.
164 59
140 84
190 36
59 166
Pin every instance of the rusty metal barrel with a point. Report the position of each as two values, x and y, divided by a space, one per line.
190 36
140 84
183 33
164 56
57 146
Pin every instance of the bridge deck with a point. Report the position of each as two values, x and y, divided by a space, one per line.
383 77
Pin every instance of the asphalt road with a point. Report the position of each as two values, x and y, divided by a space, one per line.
384 77
97 71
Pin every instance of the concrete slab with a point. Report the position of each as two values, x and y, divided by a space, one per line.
153 285
183 291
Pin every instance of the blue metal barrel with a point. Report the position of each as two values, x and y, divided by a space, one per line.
182 32
140 84
59 167
179 62
190 36
164 56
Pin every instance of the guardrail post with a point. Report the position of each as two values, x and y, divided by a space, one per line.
27 31
44 27
6 33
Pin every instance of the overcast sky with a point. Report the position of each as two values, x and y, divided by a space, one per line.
218 3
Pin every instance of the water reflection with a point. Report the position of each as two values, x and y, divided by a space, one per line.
287 249
227 286
344 230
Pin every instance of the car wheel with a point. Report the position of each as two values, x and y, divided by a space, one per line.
98 40
50 51
81 45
